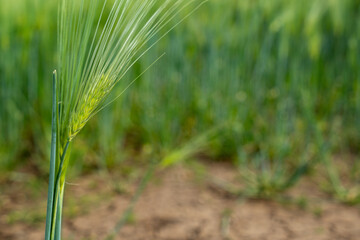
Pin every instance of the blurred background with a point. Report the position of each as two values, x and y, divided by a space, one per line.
271 88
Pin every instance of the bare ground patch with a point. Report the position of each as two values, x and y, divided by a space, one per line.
177 206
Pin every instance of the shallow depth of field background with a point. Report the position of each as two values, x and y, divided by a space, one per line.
272 87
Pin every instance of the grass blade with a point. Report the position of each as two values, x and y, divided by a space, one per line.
50 201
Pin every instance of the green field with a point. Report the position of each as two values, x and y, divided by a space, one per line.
271 86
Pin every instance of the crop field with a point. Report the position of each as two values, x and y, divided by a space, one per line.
234 110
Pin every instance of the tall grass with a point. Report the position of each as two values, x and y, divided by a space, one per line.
279 73
93 58
24 51
282 74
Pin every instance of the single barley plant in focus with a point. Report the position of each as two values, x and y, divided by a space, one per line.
96 48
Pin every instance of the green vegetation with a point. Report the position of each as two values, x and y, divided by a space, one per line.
96 49
272 86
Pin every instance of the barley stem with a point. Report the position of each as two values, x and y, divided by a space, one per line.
51 189
58 196
59 214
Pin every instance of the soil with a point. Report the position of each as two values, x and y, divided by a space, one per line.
178 205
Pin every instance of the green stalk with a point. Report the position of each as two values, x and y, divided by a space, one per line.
50 201
59 214
58 196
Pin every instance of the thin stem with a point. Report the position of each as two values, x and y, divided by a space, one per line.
58 192
59 213
50 201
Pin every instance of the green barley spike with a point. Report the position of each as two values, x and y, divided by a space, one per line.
96 49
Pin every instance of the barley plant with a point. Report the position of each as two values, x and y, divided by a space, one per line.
96 48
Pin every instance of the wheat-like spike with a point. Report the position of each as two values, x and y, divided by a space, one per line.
93 59
95 49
